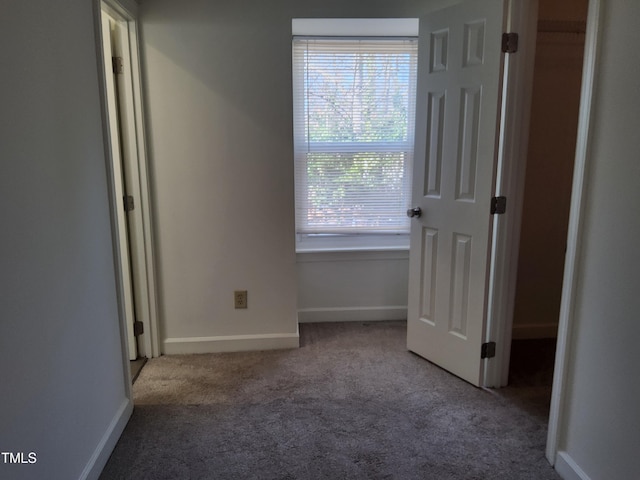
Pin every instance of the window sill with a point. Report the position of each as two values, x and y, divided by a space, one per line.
352 243
353 249
333 256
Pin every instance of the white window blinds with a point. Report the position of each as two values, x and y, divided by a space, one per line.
354 107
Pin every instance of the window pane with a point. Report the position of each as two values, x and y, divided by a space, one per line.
347 192
354 103
357 96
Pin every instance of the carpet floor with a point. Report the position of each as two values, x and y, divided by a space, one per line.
351 403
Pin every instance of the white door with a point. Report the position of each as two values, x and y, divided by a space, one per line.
109 43
457 110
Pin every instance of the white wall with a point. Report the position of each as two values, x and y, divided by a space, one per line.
353 286
218 79
601 432
62 382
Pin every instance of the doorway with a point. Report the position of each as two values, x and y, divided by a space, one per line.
549 176
547 193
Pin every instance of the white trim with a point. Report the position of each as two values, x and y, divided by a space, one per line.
120 8
540 330
574 235
358 255
345 243
113 202
358 27
352 314
112 47
568 469
151 338
141 244
510 176
231 343
107 443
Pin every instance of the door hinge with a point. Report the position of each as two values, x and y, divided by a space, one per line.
510 42
118 65
138 328
498 205
488 350
129 204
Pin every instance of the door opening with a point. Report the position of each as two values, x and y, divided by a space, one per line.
547 191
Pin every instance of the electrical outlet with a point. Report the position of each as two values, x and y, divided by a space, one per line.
240 298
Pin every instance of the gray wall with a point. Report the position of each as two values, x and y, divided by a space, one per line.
62 381
602 429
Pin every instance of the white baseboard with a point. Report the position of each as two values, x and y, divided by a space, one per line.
231 343
352 314
568 469
101 454
531 331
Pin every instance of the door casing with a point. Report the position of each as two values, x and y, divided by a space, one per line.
112 43
510 178
558 408
140 224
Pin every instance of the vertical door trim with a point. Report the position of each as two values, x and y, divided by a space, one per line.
117 142
143 268
557 412
152 341
514 132
113 201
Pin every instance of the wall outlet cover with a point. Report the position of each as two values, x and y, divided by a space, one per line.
240 298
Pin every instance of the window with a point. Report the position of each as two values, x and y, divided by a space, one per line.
354 108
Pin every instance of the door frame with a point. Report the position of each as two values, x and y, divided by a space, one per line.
141 243
507 233
113 40
558 410
522 17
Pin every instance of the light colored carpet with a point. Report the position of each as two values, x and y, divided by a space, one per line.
351 403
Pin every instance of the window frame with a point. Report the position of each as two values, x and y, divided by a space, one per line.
354 29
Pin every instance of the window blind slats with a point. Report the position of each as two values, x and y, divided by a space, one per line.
354 104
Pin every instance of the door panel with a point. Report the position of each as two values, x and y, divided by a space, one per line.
457 111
